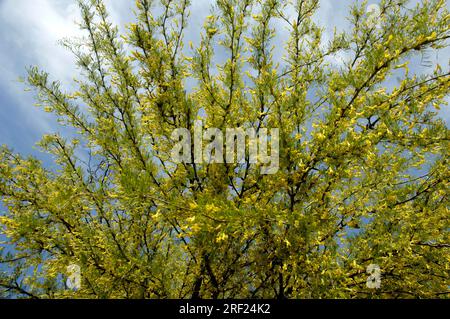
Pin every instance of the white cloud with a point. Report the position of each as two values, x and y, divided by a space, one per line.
30 31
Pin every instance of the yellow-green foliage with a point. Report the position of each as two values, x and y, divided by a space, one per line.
363 175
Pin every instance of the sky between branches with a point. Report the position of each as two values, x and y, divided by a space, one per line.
29 33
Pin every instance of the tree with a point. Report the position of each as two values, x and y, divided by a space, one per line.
363 173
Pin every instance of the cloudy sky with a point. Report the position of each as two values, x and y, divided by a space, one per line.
29 32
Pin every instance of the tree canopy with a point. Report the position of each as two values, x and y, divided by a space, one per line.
363 174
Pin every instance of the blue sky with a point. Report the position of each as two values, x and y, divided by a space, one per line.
30 30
